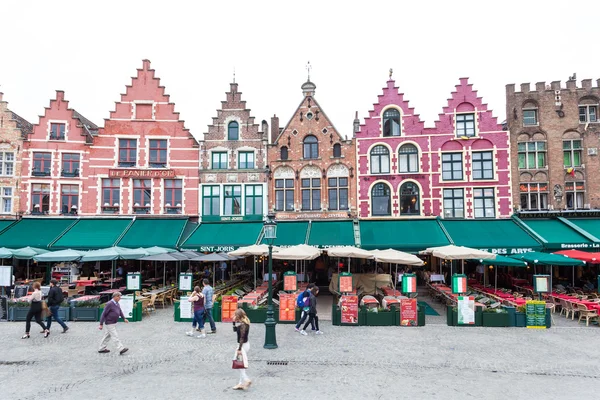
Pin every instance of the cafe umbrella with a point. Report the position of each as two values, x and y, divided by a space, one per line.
165 257
501 261
112 254
396 257
453 252
260 250
27 253
549 259
212 257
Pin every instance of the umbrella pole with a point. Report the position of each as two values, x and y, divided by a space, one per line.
496 279
164 273
396 285
27 269
463 266
573 269
254 272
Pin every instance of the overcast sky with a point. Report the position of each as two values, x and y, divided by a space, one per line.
91 51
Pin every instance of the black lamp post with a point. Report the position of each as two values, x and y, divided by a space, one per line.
270 228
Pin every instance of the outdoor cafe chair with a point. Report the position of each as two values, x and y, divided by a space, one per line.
574 309
564 308
151 304
161 299
587 314
145 306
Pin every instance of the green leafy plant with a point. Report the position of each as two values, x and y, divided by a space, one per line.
87 304
495 310
22 304
522 308
64 303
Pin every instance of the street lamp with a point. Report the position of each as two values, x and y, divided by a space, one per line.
270 228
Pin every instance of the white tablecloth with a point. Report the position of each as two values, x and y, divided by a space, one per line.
437 278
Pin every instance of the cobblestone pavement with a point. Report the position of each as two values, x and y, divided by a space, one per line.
431 362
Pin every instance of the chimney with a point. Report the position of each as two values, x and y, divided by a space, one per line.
525 87
540 86
274 128
571 84
510 89
356 124
586 84
555 85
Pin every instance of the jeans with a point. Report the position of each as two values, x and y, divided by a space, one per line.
209 317
54 311
198 319
312 318
303 318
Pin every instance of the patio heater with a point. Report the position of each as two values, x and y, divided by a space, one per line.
270 229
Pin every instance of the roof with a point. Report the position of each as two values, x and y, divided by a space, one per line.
25 126
89 126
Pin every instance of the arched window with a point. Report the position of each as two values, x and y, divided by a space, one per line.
381 200
233 131
337 150
311 147
380 160
391 122
284 153
408 158
409 199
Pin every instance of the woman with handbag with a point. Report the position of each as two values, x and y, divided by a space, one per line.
240 357
36 311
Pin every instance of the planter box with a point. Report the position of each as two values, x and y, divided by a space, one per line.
520 320
548 318
495 319
259 315
421 316
85 313
452 317
64 313
384 318
17 313
216 313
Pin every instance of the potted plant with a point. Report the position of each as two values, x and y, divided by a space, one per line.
495 317
17 310
85 310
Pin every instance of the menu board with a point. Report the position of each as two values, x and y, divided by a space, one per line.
345 282
6 275
290 282
408 312
287 306
228 306
3 309
535 314
466 310
185 282
21 291
409 283
185 308
541 283
349 306
459 284
126 304
134 281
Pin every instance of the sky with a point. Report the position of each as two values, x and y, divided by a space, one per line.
91 51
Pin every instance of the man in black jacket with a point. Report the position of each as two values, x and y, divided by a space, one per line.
55 298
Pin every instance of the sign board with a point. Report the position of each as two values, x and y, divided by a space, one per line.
134 281
541 283
287 306
185 308
349 308
228 306
409 283
345 282
535 314
6 275
186 281
3 309
141 173
466 310
408 312
459 283
290 281
126 304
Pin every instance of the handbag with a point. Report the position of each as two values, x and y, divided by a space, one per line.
238 363
45 310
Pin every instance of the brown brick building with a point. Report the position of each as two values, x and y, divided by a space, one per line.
311 165
554 145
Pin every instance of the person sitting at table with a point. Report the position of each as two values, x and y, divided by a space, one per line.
120 271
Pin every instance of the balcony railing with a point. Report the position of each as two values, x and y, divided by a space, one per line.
158 165
127 164
70 174
57 137
37 172
172 210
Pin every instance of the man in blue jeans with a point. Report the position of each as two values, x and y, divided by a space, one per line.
55 298
208 293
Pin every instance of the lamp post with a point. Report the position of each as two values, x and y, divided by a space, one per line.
270 228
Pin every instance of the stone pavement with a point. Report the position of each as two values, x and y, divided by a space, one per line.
431 362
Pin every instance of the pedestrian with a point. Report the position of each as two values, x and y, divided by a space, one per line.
55 298
209 293
35 310
197 298
304 307
110 316
312 313
243 347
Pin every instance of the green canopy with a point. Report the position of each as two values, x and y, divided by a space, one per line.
5 253
502 261
538 258
60 255
113 253
27 253
154 250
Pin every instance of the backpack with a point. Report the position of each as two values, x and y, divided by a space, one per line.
59 296
303 299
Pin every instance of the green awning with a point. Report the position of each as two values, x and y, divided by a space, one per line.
331 233
88 234
500 236
224 236
153 232
592 226
290 233
549 259
557 235
34 232
502 261
405 235
5 223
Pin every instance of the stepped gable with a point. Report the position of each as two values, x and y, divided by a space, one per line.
25 126
233 106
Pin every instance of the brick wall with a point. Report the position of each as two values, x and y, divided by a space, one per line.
11 143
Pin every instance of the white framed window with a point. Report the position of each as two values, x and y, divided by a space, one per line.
532 155
485 205
408 158
6 200
454 203
465 125
588 113
7 163
572 153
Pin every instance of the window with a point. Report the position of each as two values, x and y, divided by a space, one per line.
338 193
41 164
211 200
391 122
337 150
380 160
311 194
534 196
7 163
484 203
158 153
127 152
111 195
232 195
40 198
57 131
284 195
6 199
284 153
575 192
530 117
381 200
408 158
173 196
465 125
532 155
588 114
483 165
409 199
454 203
572 153
233 131
219 160
69 199
452 167
254 200
142 196
70 164
311 147
246 160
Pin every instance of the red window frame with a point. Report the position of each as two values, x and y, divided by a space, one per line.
130 148
57 131
72 164
139 187
173 193
45 161
43 199
160 147
72 198
113 186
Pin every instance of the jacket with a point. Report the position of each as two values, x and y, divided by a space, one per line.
111 314
55 296
208 293
242 331
313 304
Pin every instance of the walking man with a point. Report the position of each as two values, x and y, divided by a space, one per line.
110 316
55 298
304 307
209 293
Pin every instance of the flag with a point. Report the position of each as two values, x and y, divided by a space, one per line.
571 171
459 284
409 283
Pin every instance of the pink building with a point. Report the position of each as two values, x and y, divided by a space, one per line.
458 169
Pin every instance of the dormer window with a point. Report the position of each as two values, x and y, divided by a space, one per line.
233 131
391 122
465 125
57 131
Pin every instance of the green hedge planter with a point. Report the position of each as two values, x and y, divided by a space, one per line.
520 320
452 317
421 316
17 313
495 319
382 318
85 313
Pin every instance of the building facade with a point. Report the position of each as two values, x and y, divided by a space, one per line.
311 165
460 168
554 137
232 164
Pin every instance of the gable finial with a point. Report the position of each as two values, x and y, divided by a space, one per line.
308 68
391 72
233 74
